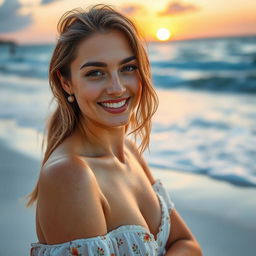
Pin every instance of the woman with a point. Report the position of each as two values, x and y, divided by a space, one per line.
95 194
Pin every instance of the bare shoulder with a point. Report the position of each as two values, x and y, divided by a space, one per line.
69 202
69 169
134 150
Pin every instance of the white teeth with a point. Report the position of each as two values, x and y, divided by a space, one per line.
114 105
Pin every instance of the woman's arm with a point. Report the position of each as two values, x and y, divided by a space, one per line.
181 242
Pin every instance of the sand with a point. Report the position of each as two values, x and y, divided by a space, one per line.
221 216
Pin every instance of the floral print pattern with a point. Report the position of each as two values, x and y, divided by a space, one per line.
135 249
146 237
74 251
100 251
119 241
127 240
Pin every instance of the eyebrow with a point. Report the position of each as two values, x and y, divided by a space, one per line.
103 64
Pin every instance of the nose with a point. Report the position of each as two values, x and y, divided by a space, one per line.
116 86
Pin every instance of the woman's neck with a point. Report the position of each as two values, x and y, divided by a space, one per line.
97 140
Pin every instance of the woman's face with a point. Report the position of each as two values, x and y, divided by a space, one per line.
105 79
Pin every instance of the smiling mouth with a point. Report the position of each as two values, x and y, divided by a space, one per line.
115 106
117 103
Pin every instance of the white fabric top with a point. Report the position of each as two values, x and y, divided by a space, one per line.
126 240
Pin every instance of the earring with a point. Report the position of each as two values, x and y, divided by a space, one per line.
71 98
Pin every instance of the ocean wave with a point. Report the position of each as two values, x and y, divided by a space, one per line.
204 123
24 68
234 175
206 65
246 84
243 180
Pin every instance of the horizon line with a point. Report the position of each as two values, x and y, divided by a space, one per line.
5 40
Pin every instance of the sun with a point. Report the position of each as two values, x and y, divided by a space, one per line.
163 34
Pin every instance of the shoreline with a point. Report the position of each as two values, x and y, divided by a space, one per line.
221 215
18 174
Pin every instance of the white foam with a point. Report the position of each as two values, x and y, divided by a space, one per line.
24 139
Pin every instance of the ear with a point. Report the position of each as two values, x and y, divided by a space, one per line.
65 83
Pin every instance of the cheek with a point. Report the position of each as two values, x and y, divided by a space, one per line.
136 89
135 84
88 93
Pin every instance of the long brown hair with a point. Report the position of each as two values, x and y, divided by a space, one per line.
73 27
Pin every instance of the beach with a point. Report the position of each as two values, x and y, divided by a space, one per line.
221 215
200 132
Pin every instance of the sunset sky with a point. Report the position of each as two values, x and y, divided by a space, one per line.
34 21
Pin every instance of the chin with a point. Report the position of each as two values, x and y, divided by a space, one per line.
118 123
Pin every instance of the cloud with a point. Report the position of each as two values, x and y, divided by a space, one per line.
44 2
10 18
131 9
176 8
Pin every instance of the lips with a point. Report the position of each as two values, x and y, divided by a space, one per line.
115 105
114 100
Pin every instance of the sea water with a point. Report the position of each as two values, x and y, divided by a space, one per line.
206 121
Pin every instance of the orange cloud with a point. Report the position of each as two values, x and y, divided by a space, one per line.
176 8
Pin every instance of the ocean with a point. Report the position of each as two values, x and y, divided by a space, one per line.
206 121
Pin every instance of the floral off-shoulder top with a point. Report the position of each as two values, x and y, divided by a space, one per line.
126 240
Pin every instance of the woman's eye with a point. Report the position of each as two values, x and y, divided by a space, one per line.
129 68
95 73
